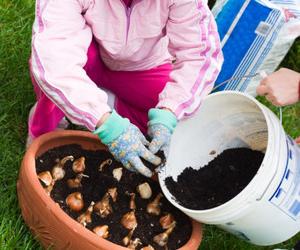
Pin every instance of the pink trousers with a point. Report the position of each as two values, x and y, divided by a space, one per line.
135 93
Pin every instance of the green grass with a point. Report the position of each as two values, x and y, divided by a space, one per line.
16 98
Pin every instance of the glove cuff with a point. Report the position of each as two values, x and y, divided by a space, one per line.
164 117
112 128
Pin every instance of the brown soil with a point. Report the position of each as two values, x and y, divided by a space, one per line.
217 182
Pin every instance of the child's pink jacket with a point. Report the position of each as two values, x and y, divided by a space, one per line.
144 36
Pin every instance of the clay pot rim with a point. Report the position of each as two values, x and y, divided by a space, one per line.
30 157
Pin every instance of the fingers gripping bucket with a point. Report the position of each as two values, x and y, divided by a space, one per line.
267 211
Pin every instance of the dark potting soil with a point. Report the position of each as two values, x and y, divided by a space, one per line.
219 181
94 187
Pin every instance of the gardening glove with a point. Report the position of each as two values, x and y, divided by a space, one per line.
160 128
126 143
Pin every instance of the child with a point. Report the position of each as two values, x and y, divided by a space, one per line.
82 49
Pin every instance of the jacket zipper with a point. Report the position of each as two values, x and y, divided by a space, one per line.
128 11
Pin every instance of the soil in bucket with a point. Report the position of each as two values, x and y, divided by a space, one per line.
98 178
219 181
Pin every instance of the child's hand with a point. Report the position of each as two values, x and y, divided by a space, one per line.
161 138
281 87
126 143
161 125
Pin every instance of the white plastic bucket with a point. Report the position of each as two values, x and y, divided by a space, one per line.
267 211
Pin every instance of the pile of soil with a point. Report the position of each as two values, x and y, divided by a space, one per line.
94 188
217 182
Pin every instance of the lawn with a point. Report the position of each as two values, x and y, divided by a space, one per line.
16 98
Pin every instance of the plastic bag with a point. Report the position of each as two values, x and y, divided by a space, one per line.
255 36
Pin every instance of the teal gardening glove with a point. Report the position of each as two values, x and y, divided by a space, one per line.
160 128
126 143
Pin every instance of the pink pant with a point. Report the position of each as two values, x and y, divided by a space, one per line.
136 92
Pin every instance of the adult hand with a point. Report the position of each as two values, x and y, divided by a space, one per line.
161 125
126 143
281 87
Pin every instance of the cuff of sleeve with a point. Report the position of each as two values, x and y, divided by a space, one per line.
112 128
169 104
164 117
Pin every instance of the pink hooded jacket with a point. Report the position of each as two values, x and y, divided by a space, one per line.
146 35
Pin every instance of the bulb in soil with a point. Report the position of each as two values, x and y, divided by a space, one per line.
102 231
63 161
79 165
129 220
166 221
154 206
47 181
75 201
104 164
134 243
57 171
149 247
113 193
103 207
76 182
144 190
117 173
132 205
86 217
49 188
46 178
126 240
162 238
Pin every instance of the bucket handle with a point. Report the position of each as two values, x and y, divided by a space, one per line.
262 74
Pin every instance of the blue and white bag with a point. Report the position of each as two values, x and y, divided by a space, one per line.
255 36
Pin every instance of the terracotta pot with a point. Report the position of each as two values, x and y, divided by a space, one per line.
47 221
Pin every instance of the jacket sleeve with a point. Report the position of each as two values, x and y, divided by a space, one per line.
60 42
194 43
